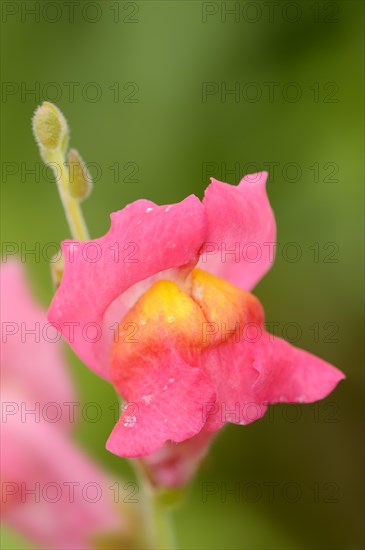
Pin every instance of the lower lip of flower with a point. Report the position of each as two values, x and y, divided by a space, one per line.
165 318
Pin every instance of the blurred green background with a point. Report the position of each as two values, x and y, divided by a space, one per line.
139 112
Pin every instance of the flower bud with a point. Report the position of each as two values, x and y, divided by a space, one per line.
50 127
80 182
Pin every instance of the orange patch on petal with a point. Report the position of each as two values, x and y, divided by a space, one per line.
163 318
166 319
226 307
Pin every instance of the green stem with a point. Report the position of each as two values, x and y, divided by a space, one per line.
71 206
163 533
157 514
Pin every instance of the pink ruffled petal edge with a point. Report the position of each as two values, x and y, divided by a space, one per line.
291 375
248 376
168 405
241 231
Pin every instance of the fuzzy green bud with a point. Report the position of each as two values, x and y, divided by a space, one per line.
80 182
50 127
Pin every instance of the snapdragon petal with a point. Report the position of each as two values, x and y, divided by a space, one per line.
27 334
170 407
143 240
37 451
291 375
51 459
241 231
259 370
157 372
248 367
174 465
233 319
230 367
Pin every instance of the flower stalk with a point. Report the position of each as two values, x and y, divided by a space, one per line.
157 512
70 205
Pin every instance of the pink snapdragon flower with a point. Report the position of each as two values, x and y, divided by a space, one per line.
49 486
160 306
